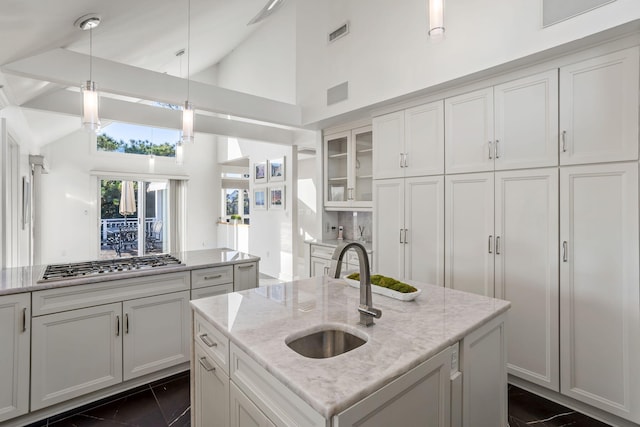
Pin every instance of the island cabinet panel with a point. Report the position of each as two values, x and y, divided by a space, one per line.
599 292
211 396
599 109
244 413
15 334
210 291
421 397
156 333
483 359
245 276
75 352
280 405
205 277
215 344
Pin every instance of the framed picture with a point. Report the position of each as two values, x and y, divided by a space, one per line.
260 198
260 172
276 198
276 170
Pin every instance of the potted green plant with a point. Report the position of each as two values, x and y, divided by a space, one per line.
236 219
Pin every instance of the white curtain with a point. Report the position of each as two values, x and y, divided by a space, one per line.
177 214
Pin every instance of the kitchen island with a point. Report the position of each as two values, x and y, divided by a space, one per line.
443 353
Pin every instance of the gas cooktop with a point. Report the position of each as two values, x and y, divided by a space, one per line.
95 268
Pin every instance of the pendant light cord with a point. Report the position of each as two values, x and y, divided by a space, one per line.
91 54
188 46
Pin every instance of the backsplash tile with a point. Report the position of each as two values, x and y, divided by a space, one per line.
350 221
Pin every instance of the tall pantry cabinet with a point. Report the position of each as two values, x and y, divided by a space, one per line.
540 208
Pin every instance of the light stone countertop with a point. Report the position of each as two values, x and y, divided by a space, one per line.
25 279
407 334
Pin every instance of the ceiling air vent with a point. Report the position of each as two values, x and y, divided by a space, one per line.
341 31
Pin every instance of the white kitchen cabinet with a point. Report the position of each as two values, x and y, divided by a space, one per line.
245 276
348 163
75 352
212 391
156 333
599 109
526 271
409 143
244 413
510 126
469 236
14 355
320 260
409 225
599 302
210 291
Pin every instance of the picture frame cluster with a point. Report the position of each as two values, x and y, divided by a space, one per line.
273 196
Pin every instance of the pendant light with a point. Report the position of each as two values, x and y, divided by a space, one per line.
436 18
187 111
90 99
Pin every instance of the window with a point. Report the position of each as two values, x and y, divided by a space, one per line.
235 197
137 139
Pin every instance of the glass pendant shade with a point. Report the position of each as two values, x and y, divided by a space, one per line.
90 117
436 18
179 154
187 122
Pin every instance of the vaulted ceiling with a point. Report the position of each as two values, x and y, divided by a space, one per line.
44 58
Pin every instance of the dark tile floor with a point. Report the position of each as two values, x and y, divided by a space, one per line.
166 403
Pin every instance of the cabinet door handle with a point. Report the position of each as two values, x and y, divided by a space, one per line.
497 149
217 276
117 326
405 236
401 236
490 243
244 267
564 251
24 319
126 323
490 149
564 141
205 339
497 245
205 364
405 160
401 159
326 270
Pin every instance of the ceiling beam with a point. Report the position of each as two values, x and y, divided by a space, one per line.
68 103
71 69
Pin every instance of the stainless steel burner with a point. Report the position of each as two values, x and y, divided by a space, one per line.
93 268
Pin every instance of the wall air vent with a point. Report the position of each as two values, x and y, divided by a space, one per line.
338 93
341 31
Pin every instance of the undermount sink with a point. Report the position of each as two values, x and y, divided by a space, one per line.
325 343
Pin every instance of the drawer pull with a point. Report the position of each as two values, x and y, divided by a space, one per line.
217 276
126 323
244 267
117 326
205 364
205 339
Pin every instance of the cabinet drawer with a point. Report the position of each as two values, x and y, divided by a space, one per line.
211 276
214 343
211 291
72 297
321 251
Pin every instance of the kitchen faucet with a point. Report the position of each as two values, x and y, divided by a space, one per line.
367 312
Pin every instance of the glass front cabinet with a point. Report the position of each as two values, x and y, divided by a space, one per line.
348 169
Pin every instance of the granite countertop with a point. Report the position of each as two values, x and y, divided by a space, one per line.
25 279
407 334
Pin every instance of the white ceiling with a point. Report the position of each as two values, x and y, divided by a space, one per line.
140 33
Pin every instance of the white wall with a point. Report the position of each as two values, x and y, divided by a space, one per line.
388 54
70 204
265 63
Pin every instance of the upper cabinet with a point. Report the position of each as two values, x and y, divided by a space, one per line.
348 169
509 126
599 109
409 143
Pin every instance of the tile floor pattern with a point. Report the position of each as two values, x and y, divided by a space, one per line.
165 403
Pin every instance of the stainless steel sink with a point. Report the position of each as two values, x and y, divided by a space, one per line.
325 343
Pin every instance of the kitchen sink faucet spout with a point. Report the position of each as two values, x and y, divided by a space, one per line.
367 312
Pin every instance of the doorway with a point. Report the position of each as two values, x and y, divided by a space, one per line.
133 217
